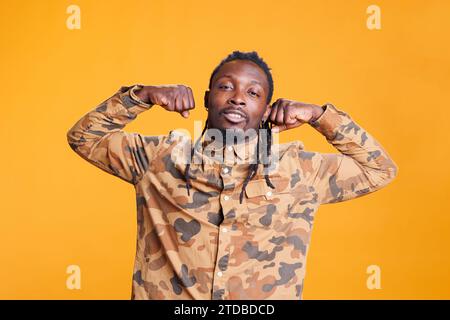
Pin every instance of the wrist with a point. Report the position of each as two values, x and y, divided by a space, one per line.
142 94
317 112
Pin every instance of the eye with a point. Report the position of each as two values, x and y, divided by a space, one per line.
254 93
223 86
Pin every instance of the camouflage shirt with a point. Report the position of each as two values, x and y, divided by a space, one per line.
208 245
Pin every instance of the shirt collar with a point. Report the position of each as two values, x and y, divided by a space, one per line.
244 147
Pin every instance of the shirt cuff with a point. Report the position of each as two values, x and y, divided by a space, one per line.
328 122
136 98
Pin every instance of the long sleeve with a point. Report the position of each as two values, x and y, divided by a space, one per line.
362 165
97 137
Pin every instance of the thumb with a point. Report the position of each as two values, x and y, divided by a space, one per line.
302 115
185 113
279 128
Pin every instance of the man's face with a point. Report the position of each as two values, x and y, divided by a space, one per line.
238 96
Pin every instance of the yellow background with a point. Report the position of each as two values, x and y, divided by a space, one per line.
58 210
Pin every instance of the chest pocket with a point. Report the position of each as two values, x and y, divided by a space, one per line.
259 188
263 206
267 207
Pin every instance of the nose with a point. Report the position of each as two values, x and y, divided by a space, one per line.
237 99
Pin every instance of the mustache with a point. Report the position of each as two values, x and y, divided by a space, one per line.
232 109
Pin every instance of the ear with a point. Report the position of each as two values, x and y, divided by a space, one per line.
267 112
206 98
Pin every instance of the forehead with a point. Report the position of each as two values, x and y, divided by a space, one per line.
243 70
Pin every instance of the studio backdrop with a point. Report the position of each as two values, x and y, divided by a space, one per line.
68 229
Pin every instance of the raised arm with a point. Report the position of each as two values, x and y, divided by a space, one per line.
97 137
362 165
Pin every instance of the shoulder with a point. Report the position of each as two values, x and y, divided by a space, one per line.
295 152
160 143
291 148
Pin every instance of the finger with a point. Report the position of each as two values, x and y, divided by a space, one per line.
273 112
289 117
283 127
170 104
185 99
279 128
280 114
181 98
191 98
178 103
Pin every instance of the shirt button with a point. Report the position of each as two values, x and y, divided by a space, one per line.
226 198
225 170
220 273
230 148
224 230
269 193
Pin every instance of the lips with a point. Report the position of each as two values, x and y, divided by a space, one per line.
234 115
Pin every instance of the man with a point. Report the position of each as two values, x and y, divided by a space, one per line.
237 228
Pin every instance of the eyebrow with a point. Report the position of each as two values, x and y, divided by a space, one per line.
231 76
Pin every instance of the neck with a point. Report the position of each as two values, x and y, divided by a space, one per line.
230 136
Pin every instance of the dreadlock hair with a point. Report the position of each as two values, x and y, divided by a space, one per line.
254 166
266 125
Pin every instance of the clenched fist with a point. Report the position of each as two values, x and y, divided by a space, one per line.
288 114
178 98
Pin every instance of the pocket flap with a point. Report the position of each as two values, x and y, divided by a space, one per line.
256 188
260 188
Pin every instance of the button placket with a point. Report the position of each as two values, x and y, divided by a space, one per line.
219 280
226 195
226 202
229 156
